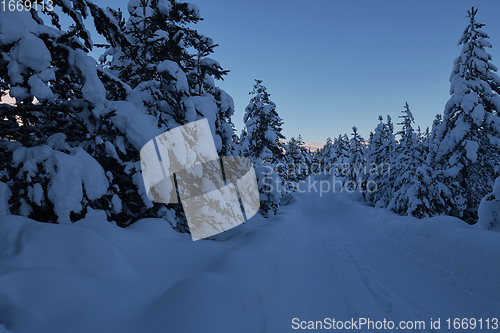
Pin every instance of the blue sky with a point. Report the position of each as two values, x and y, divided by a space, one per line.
330 65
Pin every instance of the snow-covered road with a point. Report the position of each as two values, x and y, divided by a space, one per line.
334 265
328 256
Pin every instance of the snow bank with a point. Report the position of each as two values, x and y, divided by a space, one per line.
449 243
92 276
49 273
213 302
30 244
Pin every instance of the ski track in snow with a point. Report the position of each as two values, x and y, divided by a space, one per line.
321 257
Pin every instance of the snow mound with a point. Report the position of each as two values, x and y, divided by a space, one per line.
197 296
450 243
30 244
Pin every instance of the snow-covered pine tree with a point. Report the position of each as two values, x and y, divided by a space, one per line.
169 75
307 157
467 155
167 66
262 127
318 156
436 192
212 102
411 175
380 159
201 79
288 171
326 157
432 139
422 136
96 110
298 160
356 160
155 60
224 127
261 142
50 137
150 67
316 159
201 76
341 156
489 210
390 141
374 159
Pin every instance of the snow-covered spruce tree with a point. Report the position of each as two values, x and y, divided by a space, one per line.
326 158
432 139
317 165
356 160
380 157
340 156
209 100
436 193
423 137
260 141
307 158
374 159
411 175
205 69
156 31
467 155
156 58
168 68
95 110
298 161
52 138
166 64
315 160
170 77
489 209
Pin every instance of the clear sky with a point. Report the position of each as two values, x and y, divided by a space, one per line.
330 65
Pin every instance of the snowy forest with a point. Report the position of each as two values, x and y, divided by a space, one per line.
70 145
70 141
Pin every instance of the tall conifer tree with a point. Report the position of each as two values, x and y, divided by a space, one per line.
467 154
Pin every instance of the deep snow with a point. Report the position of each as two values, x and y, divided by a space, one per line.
322 256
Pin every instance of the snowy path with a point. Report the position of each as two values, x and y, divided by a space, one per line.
334 267
327 256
